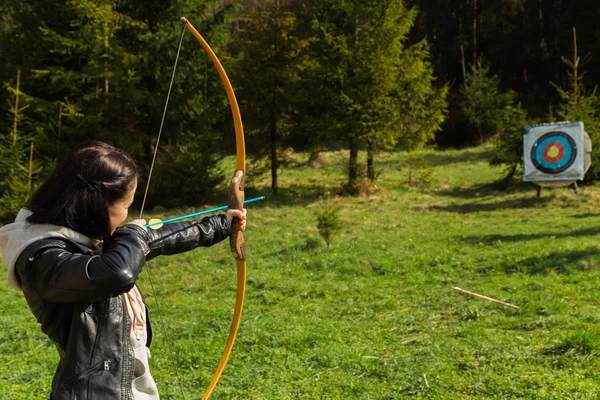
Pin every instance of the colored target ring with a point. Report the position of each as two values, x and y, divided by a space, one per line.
553 152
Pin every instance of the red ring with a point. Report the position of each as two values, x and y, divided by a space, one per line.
561 152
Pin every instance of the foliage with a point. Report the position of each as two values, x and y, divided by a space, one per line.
99 70
328 222
186 176
580 104
423 101
521 41
482 102
419 173
110 61
272 56
311 76
20 184
18 170
373 86
508 143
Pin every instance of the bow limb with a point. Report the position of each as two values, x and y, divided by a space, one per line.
235 109
236 200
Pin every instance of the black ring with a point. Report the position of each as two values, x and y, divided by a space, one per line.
562 168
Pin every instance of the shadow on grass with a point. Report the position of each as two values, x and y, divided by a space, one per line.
302 194
582 343
437 159
298 194
560 262
586 215
491 239
485 189
484 205
310 245
499 189
442 158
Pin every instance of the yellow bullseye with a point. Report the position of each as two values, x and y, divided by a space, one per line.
553 151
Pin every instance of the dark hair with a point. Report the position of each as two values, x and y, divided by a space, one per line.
77 195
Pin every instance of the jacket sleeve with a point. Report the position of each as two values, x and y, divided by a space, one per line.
183 236
62 274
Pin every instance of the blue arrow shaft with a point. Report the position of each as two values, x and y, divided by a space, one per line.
201 213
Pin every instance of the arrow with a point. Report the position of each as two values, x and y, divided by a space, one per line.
457 289
156 223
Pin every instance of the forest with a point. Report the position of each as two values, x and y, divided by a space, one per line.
310 76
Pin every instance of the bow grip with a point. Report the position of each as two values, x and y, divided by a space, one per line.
236 200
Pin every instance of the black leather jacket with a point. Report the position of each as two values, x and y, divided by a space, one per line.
77 297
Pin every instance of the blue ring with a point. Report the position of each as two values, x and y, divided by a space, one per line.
553 167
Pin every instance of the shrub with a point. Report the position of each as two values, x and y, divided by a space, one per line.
328 223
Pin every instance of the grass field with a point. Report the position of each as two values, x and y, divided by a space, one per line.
374 316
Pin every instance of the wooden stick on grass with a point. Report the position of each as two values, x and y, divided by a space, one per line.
457 289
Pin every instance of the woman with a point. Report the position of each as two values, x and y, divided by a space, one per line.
77 269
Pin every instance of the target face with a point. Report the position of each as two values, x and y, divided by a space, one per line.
553 152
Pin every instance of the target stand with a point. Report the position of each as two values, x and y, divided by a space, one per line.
556 155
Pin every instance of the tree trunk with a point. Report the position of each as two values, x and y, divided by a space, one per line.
274 162
16 110
463 62
315 159
370 161
475 32
30 171
353 183
106 73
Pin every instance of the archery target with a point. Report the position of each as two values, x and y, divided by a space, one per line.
554 152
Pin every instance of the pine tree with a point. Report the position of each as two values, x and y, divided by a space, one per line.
364 75
508 141
73 53
482 102
99 69
18 169
198 127
271 60
581 104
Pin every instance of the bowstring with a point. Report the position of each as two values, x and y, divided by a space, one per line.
162 122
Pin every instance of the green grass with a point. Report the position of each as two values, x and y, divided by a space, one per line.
374 316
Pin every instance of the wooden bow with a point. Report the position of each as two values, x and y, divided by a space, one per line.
236 201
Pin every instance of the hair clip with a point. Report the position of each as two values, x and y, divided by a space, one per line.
93 186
